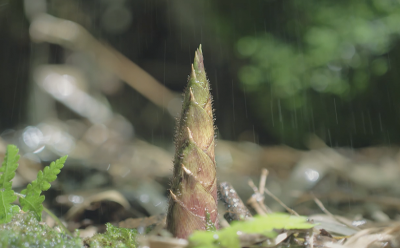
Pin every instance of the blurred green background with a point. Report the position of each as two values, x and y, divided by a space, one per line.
280 70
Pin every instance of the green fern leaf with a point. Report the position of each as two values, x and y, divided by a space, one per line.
7 211
10 164
33 200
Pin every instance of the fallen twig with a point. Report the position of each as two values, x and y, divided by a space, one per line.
236 210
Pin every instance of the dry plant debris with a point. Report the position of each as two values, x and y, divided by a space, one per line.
236 210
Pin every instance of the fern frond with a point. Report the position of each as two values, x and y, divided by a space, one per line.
33 200
8 168
7 211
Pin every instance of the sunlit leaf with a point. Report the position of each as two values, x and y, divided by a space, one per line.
265 224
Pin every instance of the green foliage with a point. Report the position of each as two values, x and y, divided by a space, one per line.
10 164
24 229
114 237
7 211
326 57
19 229
336 38
264 225
30 198
33 200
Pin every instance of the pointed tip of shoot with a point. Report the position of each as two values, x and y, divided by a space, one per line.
200 51
198 61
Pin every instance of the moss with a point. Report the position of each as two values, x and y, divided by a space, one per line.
114 237
25 231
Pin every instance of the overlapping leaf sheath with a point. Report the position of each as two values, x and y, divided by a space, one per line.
194 183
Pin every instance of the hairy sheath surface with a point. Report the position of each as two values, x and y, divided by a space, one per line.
194 184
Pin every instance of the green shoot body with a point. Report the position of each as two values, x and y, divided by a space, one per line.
194 184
